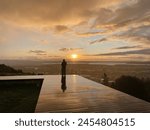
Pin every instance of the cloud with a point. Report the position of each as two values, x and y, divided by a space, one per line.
133 52
70 49
45 12
87 34
54 56
127 47
103 17
99 41
61 14
137 34
128 22
52 12
133 12
38 52
61 28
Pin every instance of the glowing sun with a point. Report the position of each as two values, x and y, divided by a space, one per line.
74 56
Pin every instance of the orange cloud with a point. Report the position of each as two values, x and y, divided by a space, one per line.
48 12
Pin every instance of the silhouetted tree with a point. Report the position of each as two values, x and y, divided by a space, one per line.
131 85
7 70
105 79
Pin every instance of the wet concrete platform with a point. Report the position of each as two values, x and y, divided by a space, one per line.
82 95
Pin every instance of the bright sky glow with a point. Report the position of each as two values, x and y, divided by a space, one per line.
74 56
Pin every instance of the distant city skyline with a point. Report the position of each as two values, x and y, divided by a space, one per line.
96 30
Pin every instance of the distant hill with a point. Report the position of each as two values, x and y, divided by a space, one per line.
7 70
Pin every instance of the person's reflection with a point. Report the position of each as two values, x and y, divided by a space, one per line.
63 75
63 83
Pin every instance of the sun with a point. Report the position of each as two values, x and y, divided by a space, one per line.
74 56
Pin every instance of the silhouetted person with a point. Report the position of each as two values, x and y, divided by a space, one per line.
63 67
63 83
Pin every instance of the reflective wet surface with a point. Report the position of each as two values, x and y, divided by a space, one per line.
82 95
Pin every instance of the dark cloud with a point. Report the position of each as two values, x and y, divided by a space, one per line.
99 40
38 52
133 52
125 15
137 34
127 47
70 49
133 13
130 21
61 28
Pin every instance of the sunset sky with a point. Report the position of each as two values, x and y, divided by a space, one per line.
103 30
